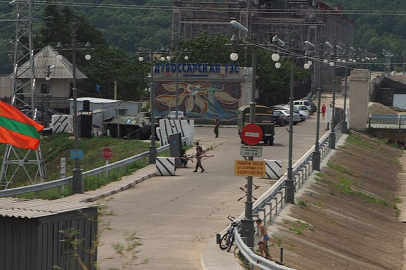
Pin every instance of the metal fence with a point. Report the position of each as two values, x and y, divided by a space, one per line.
86 175
269 205
389 121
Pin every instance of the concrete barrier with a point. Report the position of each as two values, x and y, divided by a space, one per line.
165 166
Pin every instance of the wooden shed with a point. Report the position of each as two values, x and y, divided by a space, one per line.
40 234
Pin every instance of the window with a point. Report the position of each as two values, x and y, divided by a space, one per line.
121 111
44 88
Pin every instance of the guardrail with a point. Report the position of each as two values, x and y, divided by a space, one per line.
271 202
68 180
389 121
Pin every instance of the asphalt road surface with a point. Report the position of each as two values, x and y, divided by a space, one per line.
176 217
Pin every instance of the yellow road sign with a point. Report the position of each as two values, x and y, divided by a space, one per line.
249 168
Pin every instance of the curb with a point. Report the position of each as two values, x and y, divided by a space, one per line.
115 191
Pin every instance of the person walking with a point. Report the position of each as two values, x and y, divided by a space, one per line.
216 126
323 110
199 155
264 238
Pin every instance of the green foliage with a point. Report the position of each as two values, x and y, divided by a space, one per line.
338 168
302 203
377 27
345 185
299 226
358 141
128 251
208 48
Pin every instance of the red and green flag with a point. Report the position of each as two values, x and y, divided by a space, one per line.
17 129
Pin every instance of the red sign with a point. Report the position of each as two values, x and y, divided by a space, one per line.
107 153
251 134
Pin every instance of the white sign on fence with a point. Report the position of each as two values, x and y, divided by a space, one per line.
63 167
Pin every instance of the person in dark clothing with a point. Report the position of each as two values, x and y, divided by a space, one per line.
199 155
183 158
216 125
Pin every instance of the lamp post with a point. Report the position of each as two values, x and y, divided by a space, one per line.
346 60
316 152
152 147
77 183
177 54
247 222
290 183
332 64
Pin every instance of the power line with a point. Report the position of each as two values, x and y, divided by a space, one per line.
226 9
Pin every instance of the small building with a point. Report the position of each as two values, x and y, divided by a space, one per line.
52 91
40 234
102 109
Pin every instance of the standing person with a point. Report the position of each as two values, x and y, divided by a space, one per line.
216 126
323 110
264 238
199 155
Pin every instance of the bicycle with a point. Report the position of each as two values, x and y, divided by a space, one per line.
228 238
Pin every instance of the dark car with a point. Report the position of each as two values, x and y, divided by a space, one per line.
313 106
279 118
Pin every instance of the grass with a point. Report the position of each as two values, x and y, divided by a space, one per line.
299 226
59 146
338 168
302 203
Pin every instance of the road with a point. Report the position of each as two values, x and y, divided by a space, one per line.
177 216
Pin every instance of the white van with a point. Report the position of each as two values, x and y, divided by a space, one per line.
304 103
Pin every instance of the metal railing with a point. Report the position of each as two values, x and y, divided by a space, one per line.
68 180
271 202
389 121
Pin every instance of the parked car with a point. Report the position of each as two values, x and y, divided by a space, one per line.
302 110
303 103
313 106
181 115
280 118
304 114
286 112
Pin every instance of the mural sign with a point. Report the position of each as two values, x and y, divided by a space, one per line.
204 90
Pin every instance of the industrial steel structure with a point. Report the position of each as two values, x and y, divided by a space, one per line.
310 20
15 160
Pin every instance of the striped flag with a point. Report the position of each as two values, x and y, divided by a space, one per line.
17 129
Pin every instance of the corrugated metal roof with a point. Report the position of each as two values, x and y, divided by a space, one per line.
21 208
47 56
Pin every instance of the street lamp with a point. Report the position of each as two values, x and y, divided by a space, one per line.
77 183
152 147
177 55
247 222
290 183
346 59
332 64
316 152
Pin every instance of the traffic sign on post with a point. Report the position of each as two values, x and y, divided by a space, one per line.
251 134
107 153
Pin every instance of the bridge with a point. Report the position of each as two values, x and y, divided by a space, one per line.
388 126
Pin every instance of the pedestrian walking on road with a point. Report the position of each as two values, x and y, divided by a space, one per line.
216 125
199 155
264 238
323 110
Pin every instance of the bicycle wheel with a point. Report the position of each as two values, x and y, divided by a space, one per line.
230 243
224 241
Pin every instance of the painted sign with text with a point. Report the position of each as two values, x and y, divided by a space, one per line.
249 168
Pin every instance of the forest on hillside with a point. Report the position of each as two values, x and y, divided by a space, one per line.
379 25
119 28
